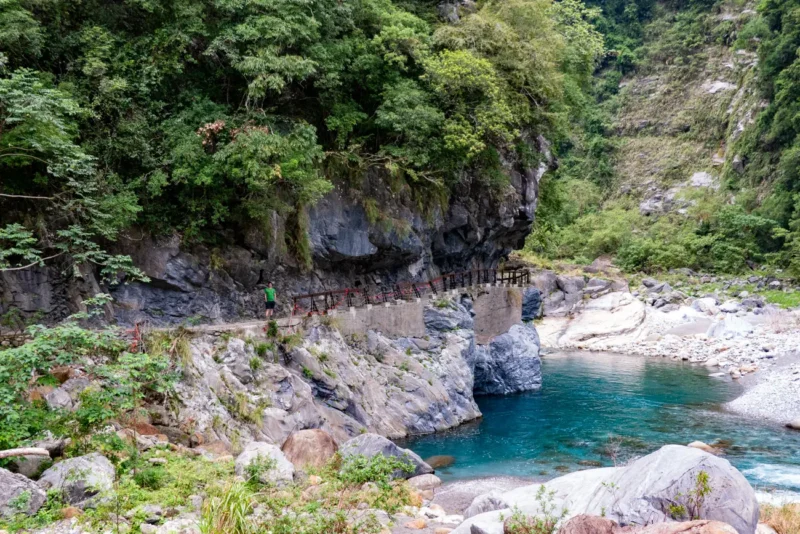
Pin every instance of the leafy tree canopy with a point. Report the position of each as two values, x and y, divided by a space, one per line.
146 111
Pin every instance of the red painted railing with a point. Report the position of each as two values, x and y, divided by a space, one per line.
325 301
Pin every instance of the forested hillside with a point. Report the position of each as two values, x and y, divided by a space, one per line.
216 127
197 117
693 158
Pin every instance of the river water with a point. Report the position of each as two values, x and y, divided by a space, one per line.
597 409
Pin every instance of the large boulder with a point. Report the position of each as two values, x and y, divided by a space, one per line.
591 524
597 287
370 445
566 297
312 447
614 315
531 304
266 462
707 305
510 364
730 327
486 502
19 495
80 479
689 527
650 490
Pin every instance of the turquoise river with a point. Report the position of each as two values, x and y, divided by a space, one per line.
596 409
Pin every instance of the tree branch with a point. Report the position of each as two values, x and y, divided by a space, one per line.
26 196
31 265
28 451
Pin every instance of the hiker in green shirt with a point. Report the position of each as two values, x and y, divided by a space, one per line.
269 299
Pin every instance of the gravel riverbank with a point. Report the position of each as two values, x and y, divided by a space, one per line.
760 347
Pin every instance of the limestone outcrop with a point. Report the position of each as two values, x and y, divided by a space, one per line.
347 247
509 364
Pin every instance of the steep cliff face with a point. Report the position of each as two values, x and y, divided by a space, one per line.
677 122
237 390
369 234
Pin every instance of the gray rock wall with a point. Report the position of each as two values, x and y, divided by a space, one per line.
349 383
222 282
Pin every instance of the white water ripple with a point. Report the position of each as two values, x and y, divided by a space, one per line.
771 475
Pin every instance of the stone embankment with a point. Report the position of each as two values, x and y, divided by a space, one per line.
733 331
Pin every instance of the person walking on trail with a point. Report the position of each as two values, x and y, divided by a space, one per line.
269 300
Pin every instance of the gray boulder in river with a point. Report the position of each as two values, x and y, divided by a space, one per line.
650 490
509 364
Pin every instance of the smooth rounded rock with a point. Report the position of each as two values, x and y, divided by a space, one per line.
640 493
425 482
440 461
311 447
588 524
275 468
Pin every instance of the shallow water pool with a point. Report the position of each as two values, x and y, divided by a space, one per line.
597 409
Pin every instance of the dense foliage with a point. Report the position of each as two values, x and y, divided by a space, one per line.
120 380
772 149
754 219
199 115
